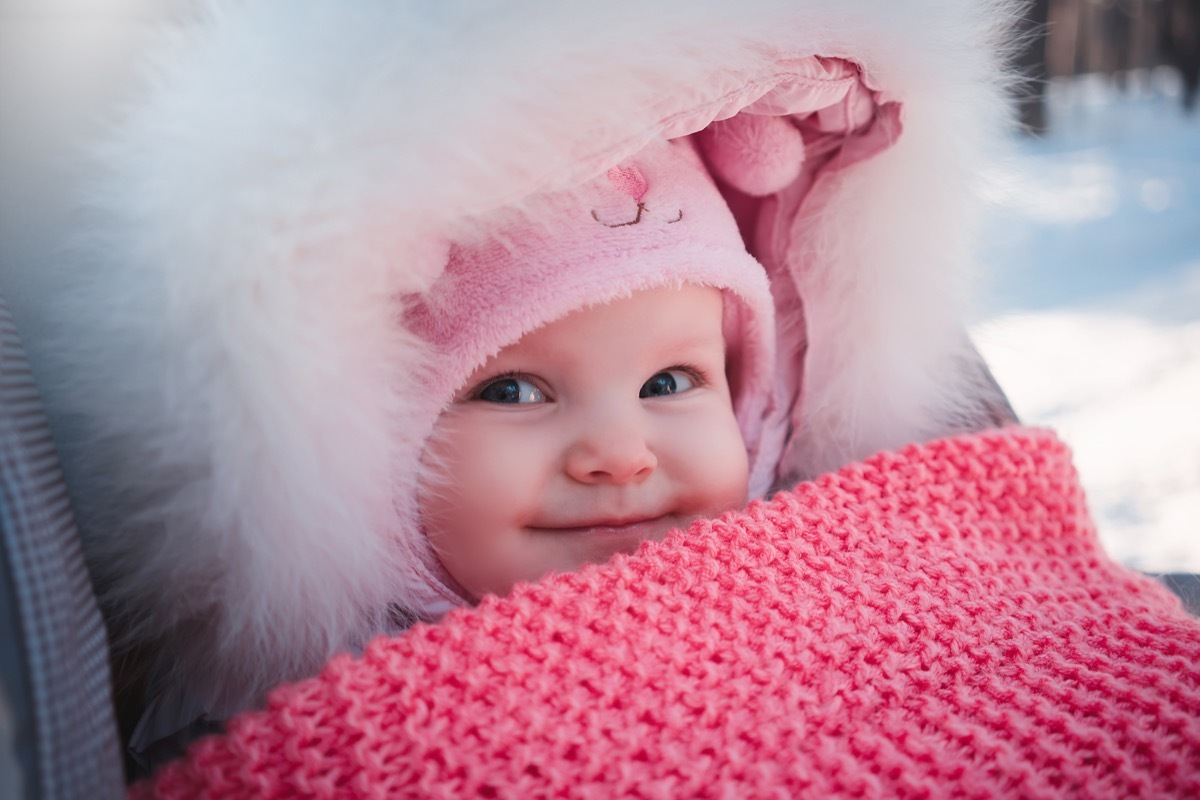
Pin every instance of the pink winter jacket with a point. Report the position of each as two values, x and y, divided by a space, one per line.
935 622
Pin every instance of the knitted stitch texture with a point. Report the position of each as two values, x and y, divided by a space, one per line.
935 622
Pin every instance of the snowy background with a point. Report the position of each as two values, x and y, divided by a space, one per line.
1092 320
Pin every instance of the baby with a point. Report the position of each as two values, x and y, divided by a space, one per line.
605 358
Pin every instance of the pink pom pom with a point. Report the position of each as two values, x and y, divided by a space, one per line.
628 180
756 154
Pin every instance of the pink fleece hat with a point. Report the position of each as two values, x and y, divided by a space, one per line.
655 220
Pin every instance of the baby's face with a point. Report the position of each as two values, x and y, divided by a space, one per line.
588 436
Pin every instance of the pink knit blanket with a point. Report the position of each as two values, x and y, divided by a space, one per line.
935 622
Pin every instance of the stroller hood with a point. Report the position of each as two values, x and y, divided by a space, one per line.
232 399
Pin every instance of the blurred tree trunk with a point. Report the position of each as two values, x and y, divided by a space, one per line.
1179 43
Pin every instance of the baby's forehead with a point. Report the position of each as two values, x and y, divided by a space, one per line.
650 322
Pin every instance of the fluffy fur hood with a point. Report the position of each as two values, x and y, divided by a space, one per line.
230 401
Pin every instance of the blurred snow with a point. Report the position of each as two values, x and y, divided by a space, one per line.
1094 311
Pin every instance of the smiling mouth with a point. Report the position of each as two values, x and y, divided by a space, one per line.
647 525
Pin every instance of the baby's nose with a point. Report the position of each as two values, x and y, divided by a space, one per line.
616 453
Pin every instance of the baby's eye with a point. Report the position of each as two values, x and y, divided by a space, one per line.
510 390
670 381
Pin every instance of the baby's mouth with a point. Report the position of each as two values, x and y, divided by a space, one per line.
644 526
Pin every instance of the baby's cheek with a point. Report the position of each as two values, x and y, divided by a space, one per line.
709 459
730 475
499 460
488 469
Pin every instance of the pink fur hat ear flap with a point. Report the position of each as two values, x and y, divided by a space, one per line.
755 154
